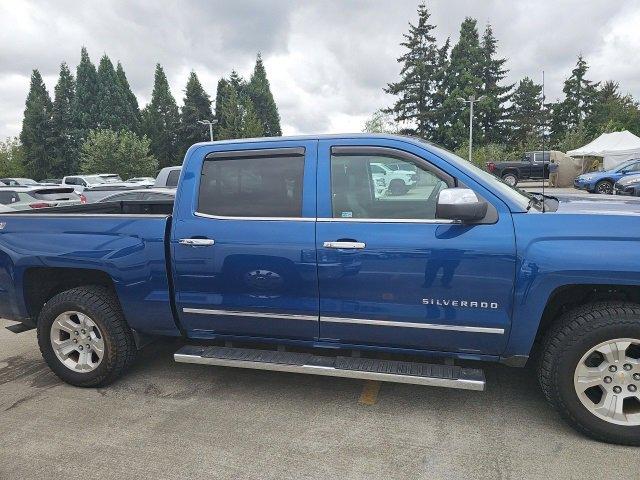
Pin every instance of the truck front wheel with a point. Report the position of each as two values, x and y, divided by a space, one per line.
84 337
589 370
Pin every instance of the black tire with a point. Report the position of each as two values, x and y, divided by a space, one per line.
510 178
102 306
604 187
573 336
398 187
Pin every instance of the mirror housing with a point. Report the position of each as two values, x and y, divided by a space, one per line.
460 204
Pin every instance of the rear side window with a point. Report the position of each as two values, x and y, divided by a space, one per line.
172 178
261 186
7 198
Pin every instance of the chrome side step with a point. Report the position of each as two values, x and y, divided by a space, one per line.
349 367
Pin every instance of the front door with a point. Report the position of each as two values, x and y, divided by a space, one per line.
407 279
245 259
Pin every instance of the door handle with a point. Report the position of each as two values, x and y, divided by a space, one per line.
356 245
197 242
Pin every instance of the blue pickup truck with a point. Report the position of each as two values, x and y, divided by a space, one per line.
291 254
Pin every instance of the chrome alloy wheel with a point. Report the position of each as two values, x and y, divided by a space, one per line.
607 380
77 342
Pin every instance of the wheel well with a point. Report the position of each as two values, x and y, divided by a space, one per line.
571 296
42 283
512 171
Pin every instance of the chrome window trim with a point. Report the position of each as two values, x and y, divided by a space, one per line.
391 220
280 219
238 313
428 326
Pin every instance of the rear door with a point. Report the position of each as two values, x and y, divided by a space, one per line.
244 252
391 273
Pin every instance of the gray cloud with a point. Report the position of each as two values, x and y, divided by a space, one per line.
327 60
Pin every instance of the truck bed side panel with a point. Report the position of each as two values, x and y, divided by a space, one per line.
130 249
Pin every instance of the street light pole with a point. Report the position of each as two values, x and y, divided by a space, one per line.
211 123
472 99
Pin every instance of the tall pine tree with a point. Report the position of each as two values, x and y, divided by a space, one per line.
113 106
133 110
197 106
580 95
229 112
463 79
161 120
86 95
64 142
419 78
493 111
36 134
526 115
260 94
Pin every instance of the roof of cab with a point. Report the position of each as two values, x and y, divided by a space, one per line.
327 136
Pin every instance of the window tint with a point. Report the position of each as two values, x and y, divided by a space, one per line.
252 187
363 187
172 178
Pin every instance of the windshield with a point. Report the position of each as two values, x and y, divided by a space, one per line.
626 164
515 194
94 180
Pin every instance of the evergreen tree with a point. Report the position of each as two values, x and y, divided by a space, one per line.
133 110
220 96
252 126
525 116
113 106
419 78
463 79
260 94
11 158
64 142
161 120
230 112
86 95
36 134
440 95
580 95
197 106
611 111
237 82
492 112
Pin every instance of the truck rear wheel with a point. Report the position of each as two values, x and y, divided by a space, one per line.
84 337
589 370
510 179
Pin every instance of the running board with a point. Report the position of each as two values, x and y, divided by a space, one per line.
349 367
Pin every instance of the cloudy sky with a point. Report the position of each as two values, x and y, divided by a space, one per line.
327 60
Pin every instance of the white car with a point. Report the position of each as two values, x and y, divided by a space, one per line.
398 182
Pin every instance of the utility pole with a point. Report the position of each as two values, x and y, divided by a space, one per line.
211 123
472 99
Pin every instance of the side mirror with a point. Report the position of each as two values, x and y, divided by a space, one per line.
460 204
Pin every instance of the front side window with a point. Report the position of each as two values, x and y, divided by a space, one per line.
383 187
264 186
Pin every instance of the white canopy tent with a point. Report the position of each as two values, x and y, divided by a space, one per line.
614 148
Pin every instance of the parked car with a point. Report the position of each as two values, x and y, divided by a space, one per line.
12 182
111 177
279 243
51 181
398 182
143 181
603 181
628 185
533 166
168 177
95 187
25 197
143 194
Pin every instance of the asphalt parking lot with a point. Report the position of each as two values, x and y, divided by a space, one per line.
175 421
